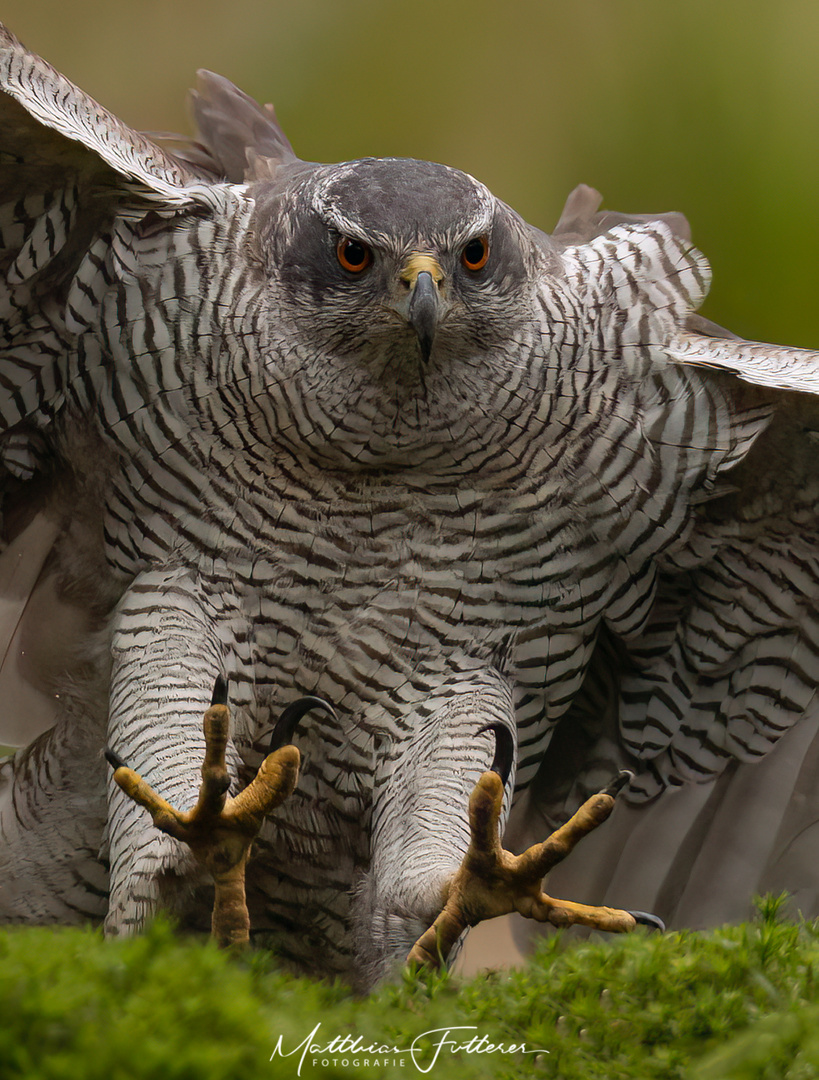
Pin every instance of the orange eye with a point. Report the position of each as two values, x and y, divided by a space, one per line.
353 255
475 254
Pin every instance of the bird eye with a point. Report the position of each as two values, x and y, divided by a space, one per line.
475 254
353 255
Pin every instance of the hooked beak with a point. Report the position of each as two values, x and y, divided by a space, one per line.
424 276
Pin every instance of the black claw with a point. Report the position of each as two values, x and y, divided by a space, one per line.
504 750
653 922
621 780
287 723
114 760
220 691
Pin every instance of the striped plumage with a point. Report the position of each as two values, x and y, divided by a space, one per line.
223 454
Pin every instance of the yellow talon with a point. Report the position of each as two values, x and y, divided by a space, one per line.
220 830
491 881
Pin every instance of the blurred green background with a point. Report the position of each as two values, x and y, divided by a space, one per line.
703 106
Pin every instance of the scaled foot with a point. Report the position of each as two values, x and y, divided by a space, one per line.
491 881
220 830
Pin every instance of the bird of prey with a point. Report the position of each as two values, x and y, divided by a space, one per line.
447 510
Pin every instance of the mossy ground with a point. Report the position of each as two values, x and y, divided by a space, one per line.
738 1002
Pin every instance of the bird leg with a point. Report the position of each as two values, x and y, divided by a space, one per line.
220 830
491 881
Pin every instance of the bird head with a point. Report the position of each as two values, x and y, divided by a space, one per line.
396 284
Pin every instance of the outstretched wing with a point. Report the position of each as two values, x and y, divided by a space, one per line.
712 702
68 171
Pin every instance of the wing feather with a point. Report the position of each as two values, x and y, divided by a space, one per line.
68 168
26 710
713 704
70 172
241 136
772 366
47 120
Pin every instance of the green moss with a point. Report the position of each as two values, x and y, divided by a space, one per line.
736 1002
